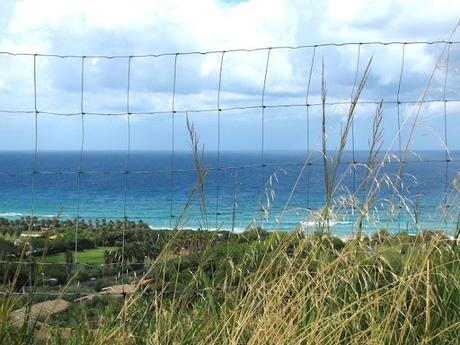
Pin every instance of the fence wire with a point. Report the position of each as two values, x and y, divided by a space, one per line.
311 56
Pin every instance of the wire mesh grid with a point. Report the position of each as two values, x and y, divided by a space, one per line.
311 55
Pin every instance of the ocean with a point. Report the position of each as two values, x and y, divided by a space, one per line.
279 193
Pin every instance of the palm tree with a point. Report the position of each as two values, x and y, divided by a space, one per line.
108 257
69 258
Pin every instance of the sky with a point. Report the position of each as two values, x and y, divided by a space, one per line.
133 28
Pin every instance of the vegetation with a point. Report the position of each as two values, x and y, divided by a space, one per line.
273 288
89 256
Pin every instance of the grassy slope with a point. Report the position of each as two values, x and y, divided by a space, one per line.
291 291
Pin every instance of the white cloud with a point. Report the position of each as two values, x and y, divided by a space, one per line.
110 27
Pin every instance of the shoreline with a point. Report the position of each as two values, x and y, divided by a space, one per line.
306 227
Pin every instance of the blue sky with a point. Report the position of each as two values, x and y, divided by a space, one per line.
142 27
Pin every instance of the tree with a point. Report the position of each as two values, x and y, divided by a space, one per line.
108 257
69 258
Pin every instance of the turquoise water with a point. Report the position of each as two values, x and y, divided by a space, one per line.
234 196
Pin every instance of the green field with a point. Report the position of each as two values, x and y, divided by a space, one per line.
87 256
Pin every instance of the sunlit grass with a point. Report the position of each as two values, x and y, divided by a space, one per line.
87 256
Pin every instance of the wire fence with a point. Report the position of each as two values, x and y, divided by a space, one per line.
263 105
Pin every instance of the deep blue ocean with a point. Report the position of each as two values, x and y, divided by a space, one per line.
235 195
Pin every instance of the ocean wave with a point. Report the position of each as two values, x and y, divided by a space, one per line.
18 214
11 214
236 230
312 224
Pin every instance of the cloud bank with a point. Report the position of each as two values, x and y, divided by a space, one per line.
150 27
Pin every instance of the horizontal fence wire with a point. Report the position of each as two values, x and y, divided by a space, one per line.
228 109
139 292
239 167
382 43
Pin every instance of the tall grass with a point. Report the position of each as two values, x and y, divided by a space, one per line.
294 290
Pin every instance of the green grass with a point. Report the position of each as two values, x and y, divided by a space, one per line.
87 256
285 289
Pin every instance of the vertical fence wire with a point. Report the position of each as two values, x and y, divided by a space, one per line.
358 57
444 93
35 171
219 110
446 142
262 126
307 129
80 164
235 200
398 101
126 172
262 117
173 144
